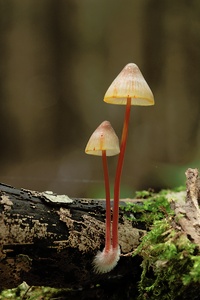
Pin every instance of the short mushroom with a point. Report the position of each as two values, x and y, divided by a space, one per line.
129 88
104 142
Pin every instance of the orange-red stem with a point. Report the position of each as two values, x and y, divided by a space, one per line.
107 189
118 175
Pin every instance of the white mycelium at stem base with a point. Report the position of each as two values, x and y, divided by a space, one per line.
104 142
105 261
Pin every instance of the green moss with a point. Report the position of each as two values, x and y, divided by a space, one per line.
153 208
170 262
179 189
23 291
194 274
143 194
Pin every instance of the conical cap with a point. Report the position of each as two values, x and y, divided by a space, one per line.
103 138
130 83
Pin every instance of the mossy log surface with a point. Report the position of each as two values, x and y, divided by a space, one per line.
51 240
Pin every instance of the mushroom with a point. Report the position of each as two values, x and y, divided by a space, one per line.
104 142
129 88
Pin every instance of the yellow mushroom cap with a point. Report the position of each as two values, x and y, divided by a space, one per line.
103 138
130 83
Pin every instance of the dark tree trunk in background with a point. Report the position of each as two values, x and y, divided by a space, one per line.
5 113
62 23
38 56
172 74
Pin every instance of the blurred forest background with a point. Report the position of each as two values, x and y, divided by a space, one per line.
57 59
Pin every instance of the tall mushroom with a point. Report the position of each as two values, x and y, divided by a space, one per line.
104 142
129 88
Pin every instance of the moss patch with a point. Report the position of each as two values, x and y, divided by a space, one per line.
154 207
170 261
23 291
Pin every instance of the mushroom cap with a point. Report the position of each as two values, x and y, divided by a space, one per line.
130 83
103 138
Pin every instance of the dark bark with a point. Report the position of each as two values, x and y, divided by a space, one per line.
51 240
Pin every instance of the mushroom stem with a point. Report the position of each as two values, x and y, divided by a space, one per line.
107 190
118 175
104 142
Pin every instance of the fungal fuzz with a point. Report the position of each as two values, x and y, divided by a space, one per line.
106 260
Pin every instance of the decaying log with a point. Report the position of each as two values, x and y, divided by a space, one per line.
51 240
